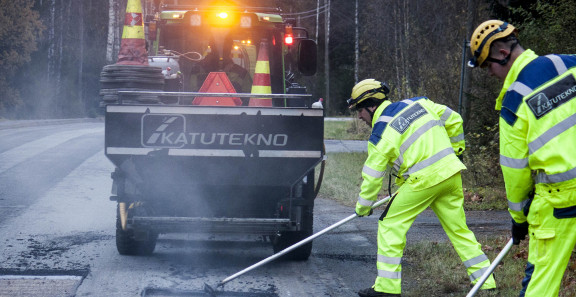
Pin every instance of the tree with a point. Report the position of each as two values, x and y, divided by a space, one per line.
112 31
116 10
410 44
545 26
20 27
61 80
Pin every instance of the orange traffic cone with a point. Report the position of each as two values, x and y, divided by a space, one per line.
261 84
133 45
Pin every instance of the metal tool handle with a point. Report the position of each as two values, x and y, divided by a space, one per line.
298 244
491 268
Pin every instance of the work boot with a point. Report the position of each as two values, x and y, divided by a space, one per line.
370 292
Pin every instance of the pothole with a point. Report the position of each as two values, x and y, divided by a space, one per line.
39 285
36 283
161 292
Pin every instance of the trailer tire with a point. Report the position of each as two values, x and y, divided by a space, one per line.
114 78
126 244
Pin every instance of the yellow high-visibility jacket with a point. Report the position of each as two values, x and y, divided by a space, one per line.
418 138
538 131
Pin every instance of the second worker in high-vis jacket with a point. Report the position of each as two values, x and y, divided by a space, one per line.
537 135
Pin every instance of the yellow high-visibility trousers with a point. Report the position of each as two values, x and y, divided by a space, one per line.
552 241
446 200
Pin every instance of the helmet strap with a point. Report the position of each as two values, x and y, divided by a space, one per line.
505 60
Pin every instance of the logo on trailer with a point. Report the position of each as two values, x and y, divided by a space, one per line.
169 131
162 130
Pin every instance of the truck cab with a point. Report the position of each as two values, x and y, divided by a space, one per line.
229 38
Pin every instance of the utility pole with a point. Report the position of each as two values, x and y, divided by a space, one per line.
356 42
464 105
317 19
327 54
465 46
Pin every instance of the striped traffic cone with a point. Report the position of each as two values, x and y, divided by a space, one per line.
133 45
261 84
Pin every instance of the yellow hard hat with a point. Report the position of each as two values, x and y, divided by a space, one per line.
483 37
368 88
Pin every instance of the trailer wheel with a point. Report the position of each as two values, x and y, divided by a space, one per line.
286 239
126 244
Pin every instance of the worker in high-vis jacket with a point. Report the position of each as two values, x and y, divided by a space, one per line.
537 140
420 140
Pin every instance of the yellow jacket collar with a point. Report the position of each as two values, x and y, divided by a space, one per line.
526 57
379 111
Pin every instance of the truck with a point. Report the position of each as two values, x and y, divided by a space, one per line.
216 135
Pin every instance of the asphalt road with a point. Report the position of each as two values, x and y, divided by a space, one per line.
57 233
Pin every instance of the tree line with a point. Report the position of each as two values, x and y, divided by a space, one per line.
52 51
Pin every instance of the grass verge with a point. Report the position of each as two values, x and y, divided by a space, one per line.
443 274
343 177
346 130
483 186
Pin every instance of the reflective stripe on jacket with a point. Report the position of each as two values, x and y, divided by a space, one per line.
418 138
538 131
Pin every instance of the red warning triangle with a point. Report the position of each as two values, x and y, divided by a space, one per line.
217 82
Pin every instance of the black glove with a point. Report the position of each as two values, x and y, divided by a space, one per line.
519 232
526 208
369 214
461 157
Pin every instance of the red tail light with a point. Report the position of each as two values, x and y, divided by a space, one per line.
288 36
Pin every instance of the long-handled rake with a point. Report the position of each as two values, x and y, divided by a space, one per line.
212 290
490 269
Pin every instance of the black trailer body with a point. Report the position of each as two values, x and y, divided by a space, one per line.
215 169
